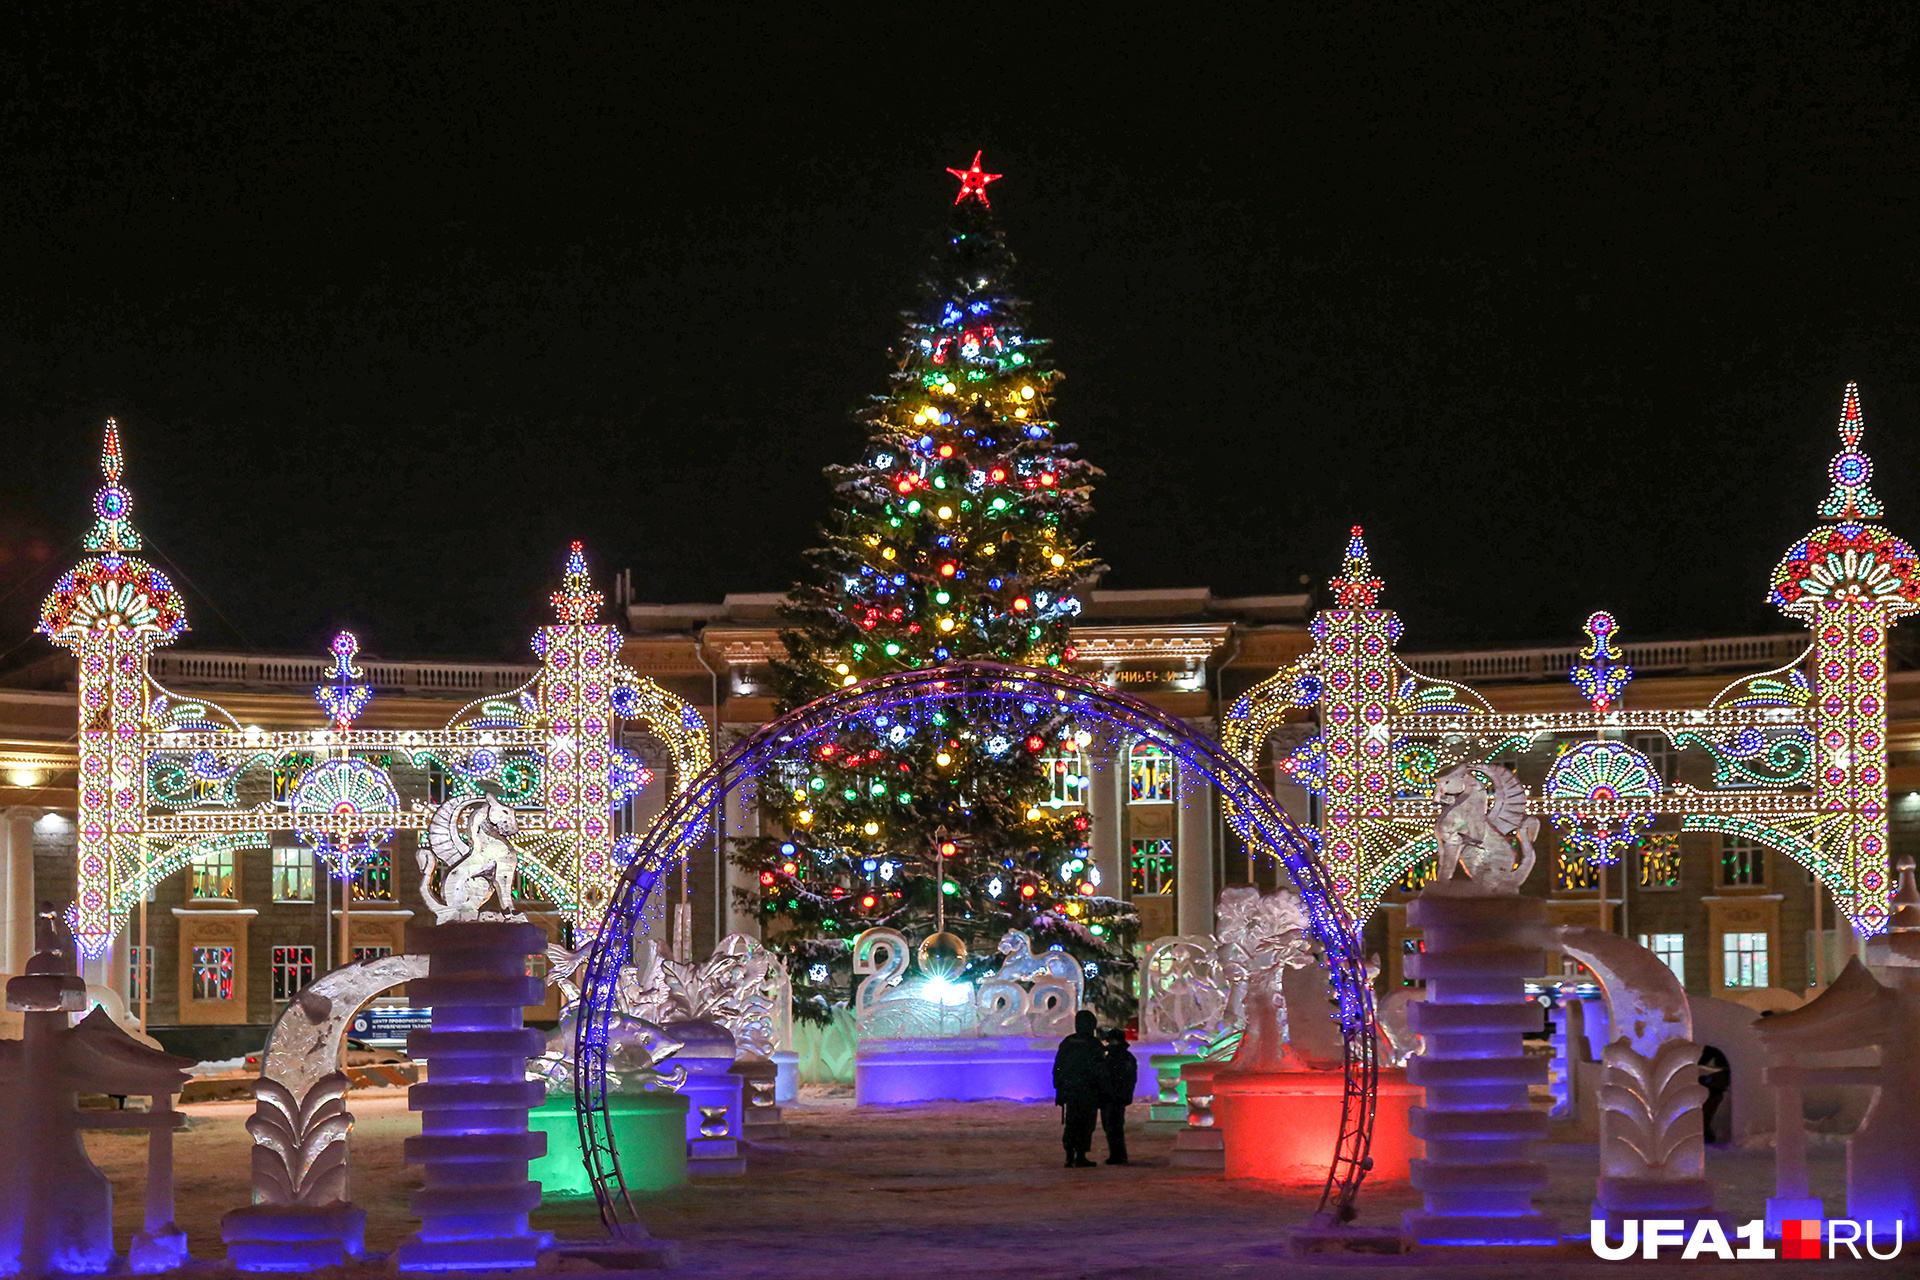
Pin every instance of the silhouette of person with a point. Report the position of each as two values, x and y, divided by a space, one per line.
1077 1073
1716 1073
1119 1074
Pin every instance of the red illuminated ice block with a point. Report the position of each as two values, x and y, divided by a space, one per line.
1284 1126
474 1140
1477 1176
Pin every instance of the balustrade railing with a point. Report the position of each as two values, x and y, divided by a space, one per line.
1668 656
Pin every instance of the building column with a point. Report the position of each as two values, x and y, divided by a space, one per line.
1106 811
16 884
740 819
1193 843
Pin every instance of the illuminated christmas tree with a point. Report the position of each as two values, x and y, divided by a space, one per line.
955 537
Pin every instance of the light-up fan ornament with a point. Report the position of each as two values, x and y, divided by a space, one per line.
1600 775
352 790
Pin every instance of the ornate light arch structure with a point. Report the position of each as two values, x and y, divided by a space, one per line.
1038 695
158 772
1799 753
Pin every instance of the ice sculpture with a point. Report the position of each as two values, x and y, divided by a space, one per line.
1857 1012
1653 1154
301 1217
1482 941
474 1141
56 1208
1184 996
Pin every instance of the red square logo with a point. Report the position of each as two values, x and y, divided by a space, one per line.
1800 1238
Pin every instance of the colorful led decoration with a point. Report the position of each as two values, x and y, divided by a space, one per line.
341 698
1355 643
158 773
974 183
1799 753
352 789
1592 776
1602 676
580 688
110 611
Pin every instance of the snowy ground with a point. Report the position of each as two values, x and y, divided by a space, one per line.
969 1190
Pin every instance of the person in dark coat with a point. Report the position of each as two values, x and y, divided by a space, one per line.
1078 1068
1119 1075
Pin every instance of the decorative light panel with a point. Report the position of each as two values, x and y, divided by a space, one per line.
1799 753
157 772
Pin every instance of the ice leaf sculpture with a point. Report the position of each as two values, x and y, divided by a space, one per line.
300 1151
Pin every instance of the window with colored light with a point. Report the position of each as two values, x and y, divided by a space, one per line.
139 974
1411 947
292 873
1573 873
212 973
1743 960
374 881
1742 862
1068 776
1659 856
292 970
1149 774
1151 865
1671 950
211 875
370 953
1415 877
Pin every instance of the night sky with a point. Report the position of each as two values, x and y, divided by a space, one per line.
394 301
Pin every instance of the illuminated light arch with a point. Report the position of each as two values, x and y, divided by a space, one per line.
157 770
1800 752
1038 693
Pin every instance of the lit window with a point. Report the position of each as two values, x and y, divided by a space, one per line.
1743 958
1571 871
1742 862
1671 950
213 973
1151 862
1067 777
374 881
292 874
292 970
211 876
1411 947
1150 774
1658 751
1660 861
139 974
370 953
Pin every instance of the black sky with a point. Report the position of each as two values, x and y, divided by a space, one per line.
393 301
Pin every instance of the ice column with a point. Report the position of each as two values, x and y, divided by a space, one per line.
1477 1176
473 1138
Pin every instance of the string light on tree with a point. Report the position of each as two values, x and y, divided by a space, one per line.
955 535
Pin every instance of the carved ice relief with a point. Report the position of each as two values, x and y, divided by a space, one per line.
1031 994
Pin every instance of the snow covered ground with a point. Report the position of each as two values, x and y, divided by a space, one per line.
969 1190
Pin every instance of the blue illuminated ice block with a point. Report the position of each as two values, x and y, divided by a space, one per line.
1478 1177
474 1142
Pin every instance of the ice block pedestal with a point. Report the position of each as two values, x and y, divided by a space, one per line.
474 1142
1478 1176
1284 1126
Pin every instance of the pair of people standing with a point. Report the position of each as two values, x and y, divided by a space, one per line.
1093 1078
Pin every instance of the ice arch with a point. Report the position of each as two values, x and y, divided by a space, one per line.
1041 695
